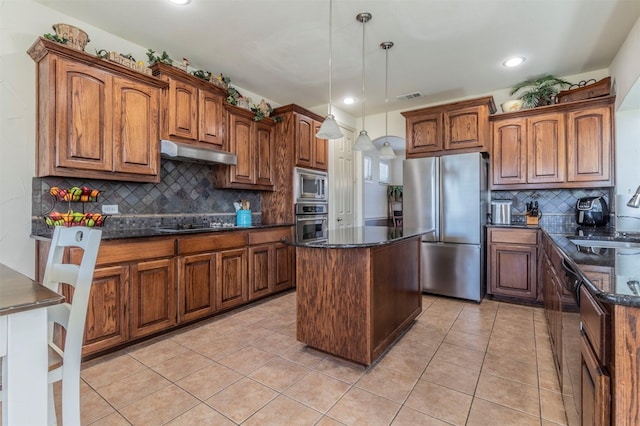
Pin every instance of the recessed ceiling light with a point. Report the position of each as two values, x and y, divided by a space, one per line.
180 2
348 101
513 62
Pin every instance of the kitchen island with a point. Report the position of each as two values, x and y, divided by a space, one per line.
358 290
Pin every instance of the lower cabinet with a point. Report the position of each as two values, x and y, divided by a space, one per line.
107 313
232 278
595 345
153 297
146 286
197 278
512 263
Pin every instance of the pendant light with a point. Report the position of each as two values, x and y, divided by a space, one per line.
386 152
329 128
363 142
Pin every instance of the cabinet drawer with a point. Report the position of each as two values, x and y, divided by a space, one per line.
123 251
513 236
595 322
270 236
202 243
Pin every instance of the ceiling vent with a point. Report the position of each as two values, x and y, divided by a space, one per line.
409 96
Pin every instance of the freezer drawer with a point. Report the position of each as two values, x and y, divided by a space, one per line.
455 270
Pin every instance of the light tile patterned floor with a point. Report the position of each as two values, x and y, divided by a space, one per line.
460 363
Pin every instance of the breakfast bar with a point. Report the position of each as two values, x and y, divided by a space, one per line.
358 290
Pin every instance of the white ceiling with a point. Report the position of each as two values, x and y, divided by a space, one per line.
444 49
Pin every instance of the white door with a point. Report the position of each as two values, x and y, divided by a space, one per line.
342 181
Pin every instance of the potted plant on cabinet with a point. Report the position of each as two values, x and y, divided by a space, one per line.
542 90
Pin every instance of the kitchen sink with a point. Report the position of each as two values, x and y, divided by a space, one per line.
605 243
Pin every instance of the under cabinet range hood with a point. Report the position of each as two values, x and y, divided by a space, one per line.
184 152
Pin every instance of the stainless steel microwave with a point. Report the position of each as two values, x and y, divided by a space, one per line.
310 185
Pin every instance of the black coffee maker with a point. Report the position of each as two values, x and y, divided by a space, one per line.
592 211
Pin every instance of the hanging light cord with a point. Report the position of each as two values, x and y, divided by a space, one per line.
330 51
364 21
386 48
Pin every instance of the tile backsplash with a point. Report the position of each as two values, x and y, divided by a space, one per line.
557 205
184 191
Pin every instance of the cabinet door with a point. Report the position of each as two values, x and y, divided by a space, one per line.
513 271
424 134
196 286
284 275
260 271
304 141
321 150
546 148
84 117
596 393
232 278
240 128
153 297
107 312
509 153
210 118
264 151
589 145
182 111
466 128
136 113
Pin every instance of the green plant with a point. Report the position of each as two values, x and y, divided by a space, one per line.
542 92
204 75
394 192
153 58
54 37
233 96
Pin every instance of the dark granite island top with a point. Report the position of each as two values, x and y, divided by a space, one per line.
358 291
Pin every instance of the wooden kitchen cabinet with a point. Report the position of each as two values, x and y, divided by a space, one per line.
253 143
311 152
197 278
107 322
451 128
271 263
559 146
529 150
232 283
153 297
589 145
96 119
194 111
512 258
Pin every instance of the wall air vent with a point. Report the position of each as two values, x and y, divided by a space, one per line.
409 96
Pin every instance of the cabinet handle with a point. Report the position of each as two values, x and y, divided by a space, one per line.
339 219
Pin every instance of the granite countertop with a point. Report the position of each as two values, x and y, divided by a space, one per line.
622 264
363 236
118 234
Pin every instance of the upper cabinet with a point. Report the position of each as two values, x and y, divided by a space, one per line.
451 128
194 111
560 146
96 119
253 143
310 152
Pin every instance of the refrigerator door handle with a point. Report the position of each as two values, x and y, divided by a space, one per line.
437 200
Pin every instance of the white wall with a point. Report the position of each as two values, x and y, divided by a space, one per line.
625 67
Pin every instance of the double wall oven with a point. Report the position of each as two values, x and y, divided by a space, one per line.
312 208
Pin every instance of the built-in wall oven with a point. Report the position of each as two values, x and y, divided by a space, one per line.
311 221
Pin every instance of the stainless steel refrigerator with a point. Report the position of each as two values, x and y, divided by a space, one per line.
449 194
